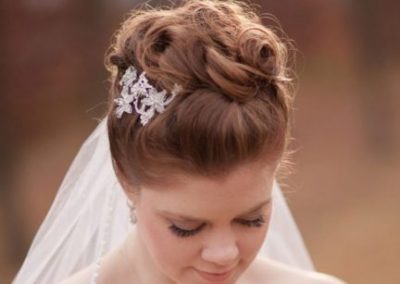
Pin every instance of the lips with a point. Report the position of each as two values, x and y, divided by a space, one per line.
215 277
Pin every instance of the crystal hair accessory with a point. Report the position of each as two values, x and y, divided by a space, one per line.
135 88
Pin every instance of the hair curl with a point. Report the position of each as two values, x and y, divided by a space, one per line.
236 100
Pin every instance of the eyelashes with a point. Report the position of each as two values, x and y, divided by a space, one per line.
185 233
258 222
253 223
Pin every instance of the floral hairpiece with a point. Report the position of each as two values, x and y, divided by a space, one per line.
151 99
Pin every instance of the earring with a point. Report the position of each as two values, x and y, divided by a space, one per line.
132 213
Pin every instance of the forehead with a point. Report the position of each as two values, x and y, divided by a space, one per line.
242 189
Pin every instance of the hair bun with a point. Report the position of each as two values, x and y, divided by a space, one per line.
262 49
235 102
259 64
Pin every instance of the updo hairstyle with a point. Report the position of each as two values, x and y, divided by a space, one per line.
235 103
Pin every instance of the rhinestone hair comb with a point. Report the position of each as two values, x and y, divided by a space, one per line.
135 88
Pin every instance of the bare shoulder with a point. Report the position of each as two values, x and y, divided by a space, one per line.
81 277
266 270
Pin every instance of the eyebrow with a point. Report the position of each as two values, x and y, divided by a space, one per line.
179 216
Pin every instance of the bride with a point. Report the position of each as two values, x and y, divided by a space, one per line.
177 183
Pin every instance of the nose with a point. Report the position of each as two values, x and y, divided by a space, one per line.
221 249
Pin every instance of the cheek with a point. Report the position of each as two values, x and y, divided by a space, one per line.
170 253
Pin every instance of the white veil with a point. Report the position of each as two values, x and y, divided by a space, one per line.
89 216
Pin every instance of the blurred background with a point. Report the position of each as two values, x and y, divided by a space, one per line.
344 189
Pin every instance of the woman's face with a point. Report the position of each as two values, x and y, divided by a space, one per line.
206 231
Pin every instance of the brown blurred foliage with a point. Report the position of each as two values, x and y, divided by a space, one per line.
344 191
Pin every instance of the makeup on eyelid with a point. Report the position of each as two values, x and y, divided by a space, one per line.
181 231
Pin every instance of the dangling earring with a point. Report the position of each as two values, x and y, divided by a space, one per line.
132 213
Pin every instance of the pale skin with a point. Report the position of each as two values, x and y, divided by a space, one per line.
225 222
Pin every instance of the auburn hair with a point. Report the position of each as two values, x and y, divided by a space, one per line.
236 98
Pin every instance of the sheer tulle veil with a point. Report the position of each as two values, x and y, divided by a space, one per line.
90 216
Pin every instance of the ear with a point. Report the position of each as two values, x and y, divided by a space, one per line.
132 195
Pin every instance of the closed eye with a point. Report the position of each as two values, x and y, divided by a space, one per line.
258 222
183 233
